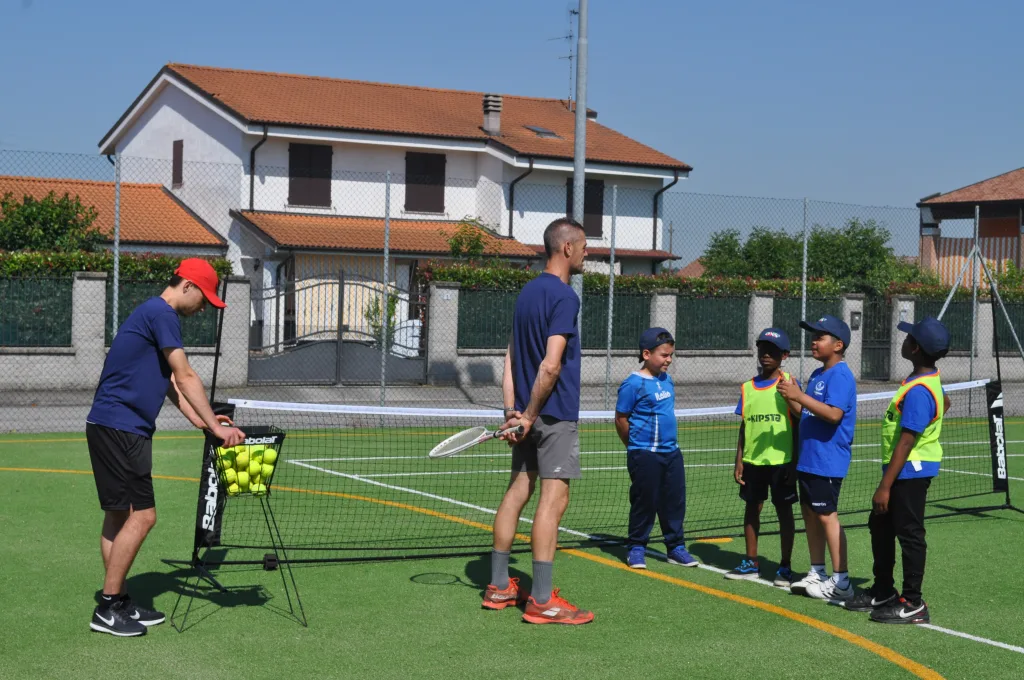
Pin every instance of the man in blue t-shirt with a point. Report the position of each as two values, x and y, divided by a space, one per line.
541 388
829 411
645 419
145 365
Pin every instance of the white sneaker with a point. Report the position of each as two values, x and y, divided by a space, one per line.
800 587
829 590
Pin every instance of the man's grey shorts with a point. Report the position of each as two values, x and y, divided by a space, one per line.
551 448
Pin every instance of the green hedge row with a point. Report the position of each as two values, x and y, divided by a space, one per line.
133 266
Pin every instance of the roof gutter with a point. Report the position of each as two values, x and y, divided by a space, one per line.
512 197
252 167
657 195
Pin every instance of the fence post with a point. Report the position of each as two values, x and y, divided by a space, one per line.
443 332
848 305
341 328
975 272
117 242
803 298
760 315
611 299
902 310
384 316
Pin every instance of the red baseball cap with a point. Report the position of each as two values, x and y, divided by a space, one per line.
201 273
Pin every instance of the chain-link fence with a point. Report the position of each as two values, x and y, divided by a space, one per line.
344 289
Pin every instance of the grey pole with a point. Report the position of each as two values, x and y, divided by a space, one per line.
975 272
385 319
803 297
580 142
611 299
117 241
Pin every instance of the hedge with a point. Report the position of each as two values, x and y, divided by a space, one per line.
133 266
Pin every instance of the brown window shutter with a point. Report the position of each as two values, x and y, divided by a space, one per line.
309 174
177 158
593 206
424 182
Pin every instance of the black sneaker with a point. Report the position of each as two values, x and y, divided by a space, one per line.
112 618
868 600
901 611
147 617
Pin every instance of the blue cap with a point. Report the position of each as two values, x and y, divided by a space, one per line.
930 333
834 326
776 336
653 337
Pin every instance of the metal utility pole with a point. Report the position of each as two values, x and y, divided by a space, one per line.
580 147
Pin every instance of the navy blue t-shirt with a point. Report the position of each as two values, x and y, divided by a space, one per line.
545 307
650 403
825 448
136 375
919 410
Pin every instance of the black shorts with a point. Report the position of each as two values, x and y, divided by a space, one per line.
758 479
820 494
122 465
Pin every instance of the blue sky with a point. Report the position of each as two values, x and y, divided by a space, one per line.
871 102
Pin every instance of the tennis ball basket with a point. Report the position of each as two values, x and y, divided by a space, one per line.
235 523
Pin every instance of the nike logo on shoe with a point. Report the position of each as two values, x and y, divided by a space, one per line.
904 614
135 616
109 622
879 603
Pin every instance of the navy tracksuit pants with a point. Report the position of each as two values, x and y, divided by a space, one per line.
658 489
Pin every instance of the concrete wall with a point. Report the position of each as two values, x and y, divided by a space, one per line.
78 367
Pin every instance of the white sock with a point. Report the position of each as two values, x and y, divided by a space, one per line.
819 569
841 579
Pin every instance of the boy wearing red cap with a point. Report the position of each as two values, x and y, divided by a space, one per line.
146 364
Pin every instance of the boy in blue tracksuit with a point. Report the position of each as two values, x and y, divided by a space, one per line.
646 423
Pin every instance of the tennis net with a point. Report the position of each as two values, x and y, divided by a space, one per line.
355 481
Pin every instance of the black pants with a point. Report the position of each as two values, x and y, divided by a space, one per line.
904 521
658 488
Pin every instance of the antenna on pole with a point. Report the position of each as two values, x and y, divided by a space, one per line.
572 11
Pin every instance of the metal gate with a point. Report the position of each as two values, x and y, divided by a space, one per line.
330 331
876 339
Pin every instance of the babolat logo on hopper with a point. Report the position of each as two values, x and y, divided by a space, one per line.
210 512
260 440
997 424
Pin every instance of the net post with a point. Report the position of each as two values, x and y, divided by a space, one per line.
611 298
974 293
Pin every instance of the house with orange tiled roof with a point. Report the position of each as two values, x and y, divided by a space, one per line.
301 174
153 219
999 202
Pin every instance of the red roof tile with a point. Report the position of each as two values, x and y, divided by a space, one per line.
366 234
309 101
692 270
1006 187
149 213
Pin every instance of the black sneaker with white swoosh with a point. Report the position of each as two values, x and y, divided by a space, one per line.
147 617
901 611
868 600
114 619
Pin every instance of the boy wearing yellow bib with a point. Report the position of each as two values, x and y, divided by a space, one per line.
911 455
766 456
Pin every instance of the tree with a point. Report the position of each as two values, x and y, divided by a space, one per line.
724 255
467 242
51 224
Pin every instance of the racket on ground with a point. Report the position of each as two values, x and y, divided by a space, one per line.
467 439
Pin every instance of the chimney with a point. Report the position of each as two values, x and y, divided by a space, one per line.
492 114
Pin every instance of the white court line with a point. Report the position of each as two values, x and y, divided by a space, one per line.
980 474
707 567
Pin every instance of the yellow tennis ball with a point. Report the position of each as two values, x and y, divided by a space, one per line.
243 480
254 480
269 456
259 490
230 477
266 470
233 489
254 468
242 461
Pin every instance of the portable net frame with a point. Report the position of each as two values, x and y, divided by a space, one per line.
356 482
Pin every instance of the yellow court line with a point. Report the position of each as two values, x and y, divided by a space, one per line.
890 655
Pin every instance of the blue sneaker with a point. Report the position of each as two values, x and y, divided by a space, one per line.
635 559
784 577
680 556
747 571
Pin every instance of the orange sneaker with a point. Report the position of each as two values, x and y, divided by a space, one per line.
499 599
555 610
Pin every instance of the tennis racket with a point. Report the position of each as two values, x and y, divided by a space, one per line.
467 439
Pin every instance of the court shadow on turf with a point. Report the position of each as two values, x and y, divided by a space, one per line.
478 571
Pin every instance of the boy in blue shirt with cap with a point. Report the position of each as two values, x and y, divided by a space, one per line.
911 455
766 455
829 410
645 420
